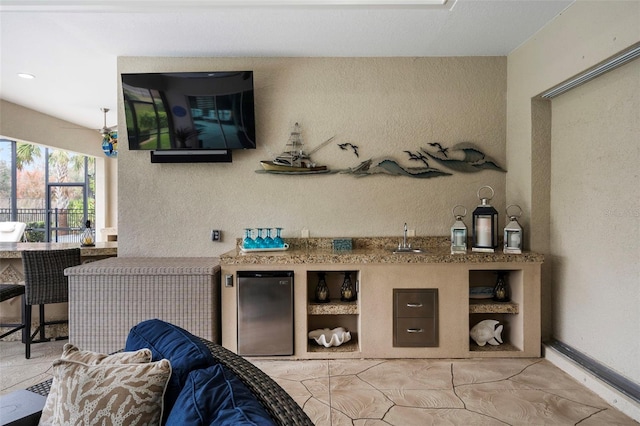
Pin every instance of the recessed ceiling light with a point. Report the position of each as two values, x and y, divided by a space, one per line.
26 75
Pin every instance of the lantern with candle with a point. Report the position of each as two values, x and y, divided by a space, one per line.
485 223
513 231
459 231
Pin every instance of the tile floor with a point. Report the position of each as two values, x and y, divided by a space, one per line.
397 392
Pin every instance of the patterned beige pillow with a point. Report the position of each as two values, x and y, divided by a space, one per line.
110 394
72 353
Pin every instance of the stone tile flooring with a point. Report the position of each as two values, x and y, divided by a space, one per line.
454 392
16 372
397 392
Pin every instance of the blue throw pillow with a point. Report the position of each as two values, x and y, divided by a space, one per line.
184 351
215 396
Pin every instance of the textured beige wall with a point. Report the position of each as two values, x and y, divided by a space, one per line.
24 124
595 218
585 34
383 105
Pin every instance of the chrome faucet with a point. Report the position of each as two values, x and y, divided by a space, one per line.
404 244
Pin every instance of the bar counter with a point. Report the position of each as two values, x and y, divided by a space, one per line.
11 272
388 286
13 250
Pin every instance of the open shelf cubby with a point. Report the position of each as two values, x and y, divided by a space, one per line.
334 281
334 313
507 313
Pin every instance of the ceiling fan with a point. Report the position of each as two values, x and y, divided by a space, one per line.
109 137
106 130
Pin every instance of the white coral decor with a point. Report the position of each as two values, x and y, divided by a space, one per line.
327 338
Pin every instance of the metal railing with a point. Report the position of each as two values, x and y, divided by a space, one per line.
64 225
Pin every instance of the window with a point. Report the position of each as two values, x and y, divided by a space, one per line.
51 190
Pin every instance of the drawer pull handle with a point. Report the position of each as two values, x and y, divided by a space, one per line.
414 305
415 330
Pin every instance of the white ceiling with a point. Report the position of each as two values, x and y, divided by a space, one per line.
72 46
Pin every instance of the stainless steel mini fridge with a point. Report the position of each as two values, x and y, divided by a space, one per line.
265 313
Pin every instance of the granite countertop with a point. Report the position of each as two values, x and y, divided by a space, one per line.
13 250
375 250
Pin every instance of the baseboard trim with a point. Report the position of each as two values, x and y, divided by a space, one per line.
616 390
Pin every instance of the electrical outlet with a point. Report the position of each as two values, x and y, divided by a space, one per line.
304 233
216 235
411 232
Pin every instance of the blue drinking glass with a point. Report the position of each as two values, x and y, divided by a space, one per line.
268 241
248 242
259 241
278 241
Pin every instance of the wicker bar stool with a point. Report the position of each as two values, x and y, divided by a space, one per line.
45 283
9 291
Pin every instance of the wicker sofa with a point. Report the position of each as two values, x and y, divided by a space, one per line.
282 409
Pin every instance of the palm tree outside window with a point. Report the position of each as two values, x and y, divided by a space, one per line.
51 190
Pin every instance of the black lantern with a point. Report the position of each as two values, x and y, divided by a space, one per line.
347 292
501 291
87 239
322 291
485 224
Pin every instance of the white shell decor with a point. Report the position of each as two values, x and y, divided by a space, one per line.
328 338
486 332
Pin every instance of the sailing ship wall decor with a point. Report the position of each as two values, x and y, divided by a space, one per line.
294 159
463 157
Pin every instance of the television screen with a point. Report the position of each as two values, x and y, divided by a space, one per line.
191 111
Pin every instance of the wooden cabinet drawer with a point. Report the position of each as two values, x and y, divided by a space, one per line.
415 303
415 332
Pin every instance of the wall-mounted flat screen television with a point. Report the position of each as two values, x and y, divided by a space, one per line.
190 113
